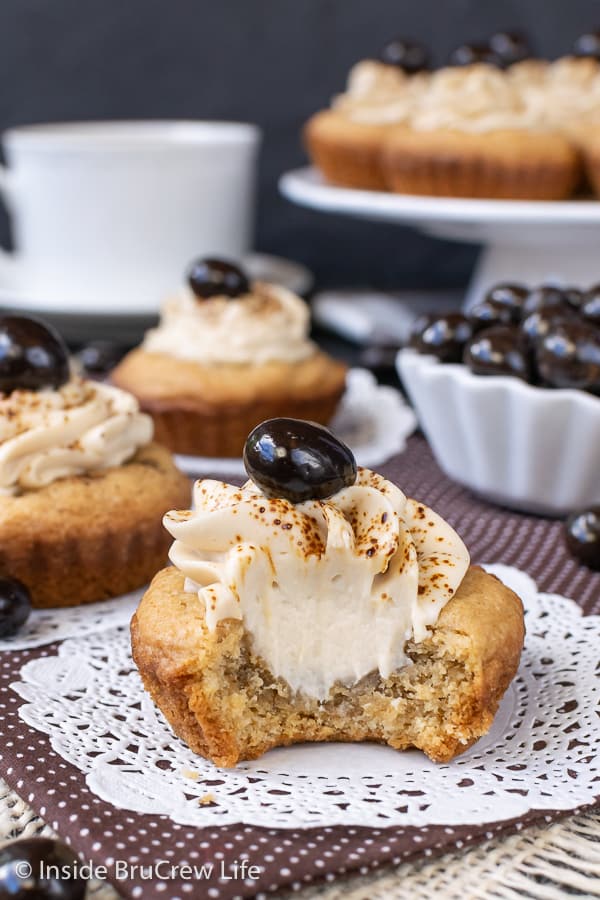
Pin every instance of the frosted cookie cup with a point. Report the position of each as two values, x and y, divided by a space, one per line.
345 142
218 364
473 136
348 613
82 485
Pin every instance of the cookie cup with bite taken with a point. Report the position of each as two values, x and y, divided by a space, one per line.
319 603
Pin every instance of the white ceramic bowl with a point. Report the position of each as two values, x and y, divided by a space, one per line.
529 448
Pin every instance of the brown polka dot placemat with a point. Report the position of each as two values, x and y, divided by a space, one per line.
150 856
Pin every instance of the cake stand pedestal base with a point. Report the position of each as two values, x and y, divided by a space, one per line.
526 254
526 241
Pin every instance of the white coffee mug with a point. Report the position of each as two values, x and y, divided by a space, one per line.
107 215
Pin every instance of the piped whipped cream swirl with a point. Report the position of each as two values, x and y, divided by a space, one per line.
269 324
81 427
475 98
379 94
569 93
329 591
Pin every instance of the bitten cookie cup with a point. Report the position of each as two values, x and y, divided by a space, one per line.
227 706
500 165
208 410
90 537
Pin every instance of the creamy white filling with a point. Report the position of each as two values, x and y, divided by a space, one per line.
328 591
81 427
269 324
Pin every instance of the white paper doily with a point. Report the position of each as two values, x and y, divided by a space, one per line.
44 626
542 752
373 419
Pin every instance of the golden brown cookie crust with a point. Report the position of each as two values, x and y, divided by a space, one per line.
512 164
209 410
91 537
590 147
226 706
516 164
348 153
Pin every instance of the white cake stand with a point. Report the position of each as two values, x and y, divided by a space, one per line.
526 241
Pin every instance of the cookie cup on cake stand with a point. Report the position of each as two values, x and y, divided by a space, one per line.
345 142
567 100
506 164
472 136
347 152
589 141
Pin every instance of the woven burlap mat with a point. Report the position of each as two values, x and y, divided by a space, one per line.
541 863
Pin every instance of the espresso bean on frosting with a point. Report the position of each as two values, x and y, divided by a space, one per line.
298 460
410 56
212 277
32 355
511 46
471 54
588 44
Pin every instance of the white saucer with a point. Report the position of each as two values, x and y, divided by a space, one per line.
92 322
374 420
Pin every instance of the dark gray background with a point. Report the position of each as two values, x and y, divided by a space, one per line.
269 61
